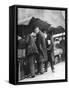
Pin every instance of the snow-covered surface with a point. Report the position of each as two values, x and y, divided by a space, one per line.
57 75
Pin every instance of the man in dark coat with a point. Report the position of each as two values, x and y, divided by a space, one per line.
41 46
21 57
31 52
62 45
50 51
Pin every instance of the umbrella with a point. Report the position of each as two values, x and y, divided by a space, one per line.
51 30
24 30
59 29
34 22
56 30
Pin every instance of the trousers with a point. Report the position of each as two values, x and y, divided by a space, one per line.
31 62
51 60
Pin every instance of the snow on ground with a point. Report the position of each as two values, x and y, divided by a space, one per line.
58 74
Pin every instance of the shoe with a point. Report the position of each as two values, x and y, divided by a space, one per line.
28 76
46 70
37 73
41 72
53 70
33 76
23 77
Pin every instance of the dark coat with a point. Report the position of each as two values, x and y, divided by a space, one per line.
50 47
31 47
41 45
62 45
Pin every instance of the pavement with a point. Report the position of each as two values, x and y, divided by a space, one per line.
49 75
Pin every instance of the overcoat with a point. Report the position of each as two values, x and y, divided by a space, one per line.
50 47
41 46
31 47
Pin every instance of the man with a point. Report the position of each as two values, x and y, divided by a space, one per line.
31 52
41 46
50 51
62 45
21 57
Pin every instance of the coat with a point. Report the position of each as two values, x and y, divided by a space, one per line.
50 47
62 45
41 46
31 47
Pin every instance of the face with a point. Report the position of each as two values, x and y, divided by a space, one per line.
36 30
45 34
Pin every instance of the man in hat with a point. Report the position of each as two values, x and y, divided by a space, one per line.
41 46
31 53
50 51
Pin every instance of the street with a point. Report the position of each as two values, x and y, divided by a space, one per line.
49 75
